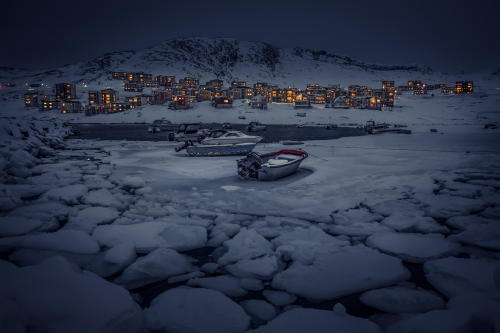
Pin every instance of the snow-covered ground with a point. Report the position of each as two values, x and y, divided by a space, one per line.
120 236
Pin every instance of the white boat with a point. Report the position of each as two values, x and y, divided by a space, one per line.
220 137
189 131
270 166
216 150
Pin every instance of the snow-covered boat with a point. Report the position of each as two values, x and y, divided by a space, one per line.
189 131
377 128
270 166
255 126
216 150
220 137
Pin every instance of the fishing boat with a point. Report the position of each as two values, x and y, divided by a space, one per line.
255 126
377 128
193 149
221 137
270 166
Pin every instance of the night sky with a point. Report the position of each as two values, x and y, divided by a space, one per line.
445 35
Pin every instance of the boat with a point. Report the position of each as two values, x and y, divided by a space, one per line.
189 131
159 125
255 126
376 128
219 137
301 114
216 150
270 166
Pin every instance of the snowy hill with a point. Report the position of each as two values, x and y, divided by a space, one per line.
228 59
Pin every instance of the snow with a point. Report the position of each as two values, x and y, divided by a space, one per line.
318 321
102 197
18 225
353 269
262 267
55 296
454 276
195 310
69 194
486 235
401 299
155 266
411 247
151 235
247 244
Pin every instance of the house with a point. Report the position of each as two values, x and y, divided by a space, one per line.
388 85
146 99
32 99
356 91
46 105
238 84
133 86
302 101
419 91
119 107
119 75
135 101
261 88
95 109
447 90
65 91
108 96
94 98
180 102
217 84
278 95
464 87
139 77
412 85
165 81
71 106
372 103
162 96
222 102
258 102
316 93
189 82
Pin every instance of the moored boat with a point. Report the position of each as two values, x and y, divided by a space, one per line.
217 149
270 166
220 137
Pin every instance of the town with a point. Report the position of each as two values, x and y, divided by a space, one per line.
181 94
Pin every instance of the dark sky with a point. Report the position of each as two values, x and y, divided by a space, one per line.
446 35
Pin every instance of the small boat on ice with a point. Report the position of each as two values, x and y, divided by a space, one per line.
270 166
216 149
373 128
221 137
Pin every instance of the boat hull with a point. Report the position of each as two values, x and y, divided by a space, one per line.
273 173
258 167
220 150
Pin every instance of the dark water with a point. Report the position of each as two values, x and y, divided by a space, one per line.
273 133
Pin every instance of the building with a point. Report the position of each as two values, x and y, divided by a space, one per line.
162 96
180 102
412 85
302 101
222 102
119 75
258 102
189 82
65 91
94 98
419 91
316 93
133 86
46 105
261 88
447 90
139 77
32 99
217 84
165 81
388 85
464 87
71 106
238 84
135 101
119 107
108 96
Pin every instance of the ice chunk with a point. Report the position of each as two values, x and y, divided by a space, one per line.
64 240
151 235
224 283
68 194
262 268
87 219
103 197
445 206
279 298
247 244
300 320
122 254
349 270
455 276
359 215
251 284
155 266
133 182
413 247
402 300
196 311
485 235
55 296
259 309
463 222
391 207
358 229
18 225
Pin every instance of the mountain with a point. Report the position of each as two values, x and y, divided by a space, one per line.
227 59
